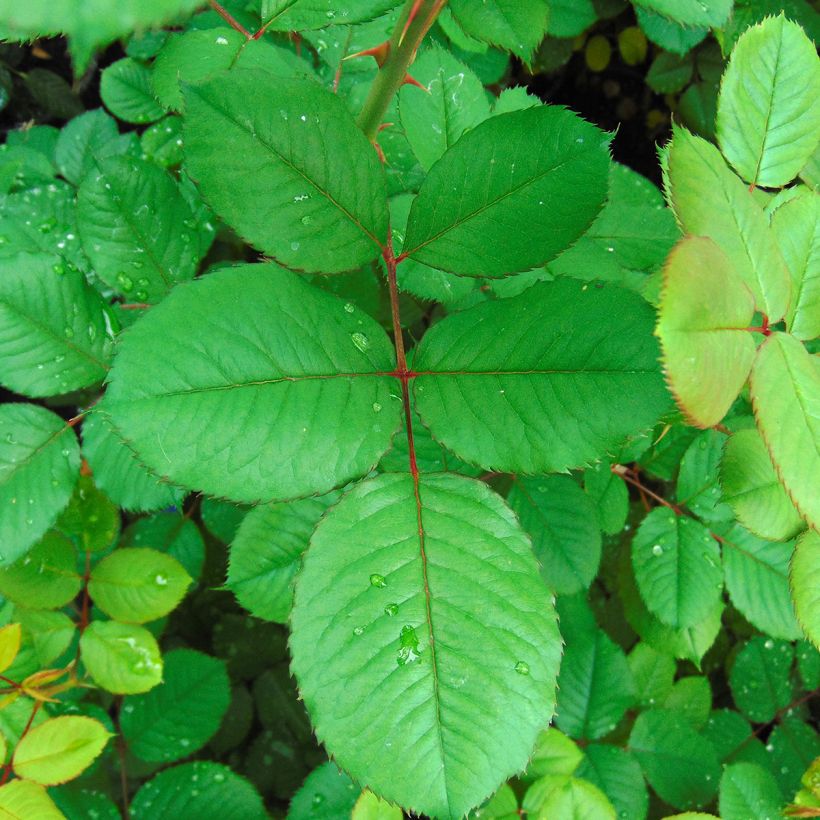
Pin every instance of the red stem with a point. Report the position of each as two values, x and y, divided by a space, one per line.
230 19
7 767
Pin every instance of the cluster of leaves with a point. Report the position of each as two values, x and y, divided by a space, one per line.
429 441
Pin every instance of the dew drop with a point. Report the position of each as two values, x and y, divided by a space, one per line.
522 668
360 341
359 630
391 610
349 308
377 580
657 549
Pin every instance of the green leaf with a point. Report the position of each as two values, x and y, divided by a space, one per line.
22 798
202 790
569 18
785 388
748 792
45 578
39 463
691 697
78 803
267 551
274 346
135 585
221 519
709 200
503 805
805 584
404 624
797 228
545 402
297 15
594 687
706 13
679 764
554 753
767 120
173 533
702 327
85 137
515 25
455 103
141 250
698 487
59 749
653 673
49 633
326 791
670 73
121 658
760 680
301 181
793 745
118 472
610 494
125 88
90 519
757 578
677 568
178 717
162 142
371 807
751 488
616 772
563 524
471 224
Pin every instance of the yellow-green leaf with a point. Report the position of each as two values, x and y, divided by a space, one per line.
9 645
805 584
24 800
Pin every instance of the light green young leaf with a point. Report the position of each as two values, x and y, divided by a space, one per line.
371 807
456 102
178 717
566 797
704 312
562 521
757 578
121 658
136 227
760 678
125 88
709 200
59 749
617 773
471 224
394 642
22 798
679 764
554 753
797 228
135 585
749 792
706 13
267 551
301 181
171 532
503 805
56 333
515 25
39 464
785 389
274 345
198 790
768 123
543 402
49 633
751 488
805 584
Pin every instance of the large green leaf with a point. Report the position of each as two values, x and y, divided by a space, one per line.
551 379
757 578
677 568
515 25
301 181
228 414
679 764
751 488
542 180
702 327
178 717
456 101
137 228
39 465
406 669
805 584
707 13
768 122
797 228
749 792
266 554
563 524
298 15
709 200
760 678
56 334
785 387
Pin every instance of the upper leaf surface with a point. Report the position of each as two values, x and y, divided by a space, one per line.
516 25
768 121
785 388
300 181
805 584
305 15
403 666
541 382
227 413
544 168
704 312
710 14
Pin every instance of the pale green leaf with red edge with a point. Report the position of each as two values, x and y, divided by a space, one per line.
710 200
24 799
705 309
402 664
768 120
805 584
785 390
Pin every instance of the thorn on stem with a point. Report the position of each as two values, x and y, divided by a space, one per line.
379 53
410 17
408 80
